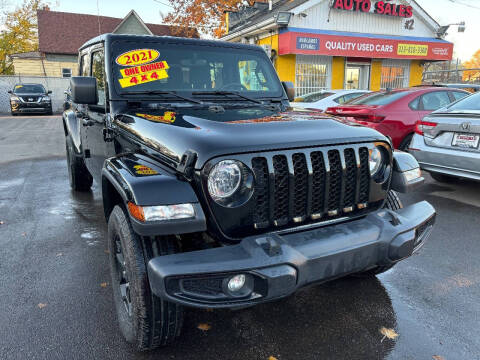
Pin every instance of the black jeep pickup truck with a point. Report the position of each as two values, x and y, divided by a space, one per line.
217 194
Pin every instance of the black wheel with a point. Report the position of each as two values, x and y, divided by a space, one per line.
145 320
393 203
78 174
443 178
404 145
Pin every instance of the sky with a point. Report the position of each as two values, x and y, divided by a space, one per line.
443 11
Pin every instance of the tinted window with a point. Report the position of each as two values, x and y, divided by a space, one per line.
380 98
29 89
459 95
471 102
98 61
309 98
414 105
435 100
352 96
84 66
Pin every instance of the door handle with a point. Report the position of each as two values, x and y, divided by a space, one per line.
87 122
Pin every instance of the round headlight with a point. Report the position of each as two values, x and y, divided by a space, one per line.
375 161
224 179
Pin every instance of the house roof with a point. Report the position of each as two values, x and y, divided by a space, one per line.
252 17
64 33
28 55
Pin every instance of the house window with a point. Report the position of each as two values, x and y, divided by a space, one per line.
395 74
312 73
66 73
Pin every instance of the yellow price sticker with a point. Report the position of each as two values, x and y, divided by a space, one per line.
143 78
137 57
412 50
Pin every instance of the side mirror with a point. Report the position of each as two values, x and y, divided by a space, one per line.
10 91
49 92
289 89
84 90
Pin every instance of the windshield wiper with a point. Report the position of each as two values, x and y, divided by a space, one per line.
226 94
273 107
163 92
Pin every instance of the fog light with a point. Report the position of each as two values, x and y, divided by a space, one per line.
236 283
412 175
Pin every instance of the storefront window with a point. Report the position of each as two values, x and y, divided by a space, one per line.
395 74
312 74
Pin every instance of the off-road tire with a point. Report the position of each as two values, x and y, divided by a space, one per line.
151 322
78 174
443 178
393 203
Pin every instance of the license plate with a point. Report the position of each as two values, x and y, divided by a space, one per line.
466 140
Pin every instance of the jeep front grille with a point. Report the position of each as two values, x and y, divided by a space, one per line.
296 186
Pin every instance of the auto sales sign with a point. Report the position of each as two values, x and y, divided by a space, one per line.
379 7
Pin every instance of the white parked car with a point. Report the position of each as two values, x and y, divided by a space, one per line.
321 100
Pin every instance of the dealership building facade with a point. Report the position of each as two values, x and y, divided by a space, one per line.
342 44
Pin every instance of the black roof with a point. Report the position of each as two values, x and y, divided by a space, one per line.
263 14
113 37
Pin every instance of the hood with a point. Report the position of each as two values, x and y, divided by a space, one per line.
234 131
29 94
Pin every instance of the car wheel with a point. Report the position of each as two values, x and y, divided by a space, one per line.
443 178
145 320
405 144
393 203
78 174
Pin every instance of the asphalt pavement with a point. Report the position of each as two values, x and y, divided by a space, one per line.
56 299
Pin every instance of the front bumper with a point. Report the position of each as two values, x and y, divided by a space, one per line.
35 107
448 161
276 265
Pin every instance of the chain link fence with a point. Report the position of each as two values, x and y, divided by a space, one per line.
57 85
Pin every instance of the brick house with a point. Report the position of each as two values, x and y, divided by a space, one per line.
61 34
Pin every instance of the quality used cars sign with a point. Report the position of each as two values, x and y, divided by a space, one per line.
320 42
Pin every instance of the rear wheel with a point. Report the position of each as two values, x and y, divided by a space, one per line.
145 320
78 174
393 203
443 178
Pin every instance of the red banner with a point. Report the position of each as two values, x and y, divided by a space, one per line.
363 46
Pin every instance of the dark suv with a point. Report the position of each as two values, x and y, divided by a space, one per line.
30 98
216 193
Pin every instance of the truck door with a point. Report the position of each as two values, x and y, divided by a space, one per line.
94 123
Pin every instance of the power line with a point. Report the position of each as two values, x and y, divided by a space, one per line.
164 4
464 4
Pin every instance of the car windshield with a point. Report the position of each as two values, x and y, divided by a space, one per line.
29 89
159 67
313 97
382 98
471 102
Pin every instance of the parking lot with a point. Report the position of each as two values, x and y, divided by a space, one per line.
56 301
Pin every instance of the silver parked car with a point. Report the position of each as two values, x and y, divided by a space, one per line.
446 142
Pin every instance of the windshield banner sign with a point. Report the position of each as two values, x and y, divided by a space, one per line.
291 42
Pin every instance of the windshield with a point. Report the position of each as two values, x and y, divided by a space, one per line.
471 102
29 89
383 98
153 66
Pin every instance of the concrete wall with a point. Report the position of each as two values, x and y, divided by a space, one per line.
55 84
51 66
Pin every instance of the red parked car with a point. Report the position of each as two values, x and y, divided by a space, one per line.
394 113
